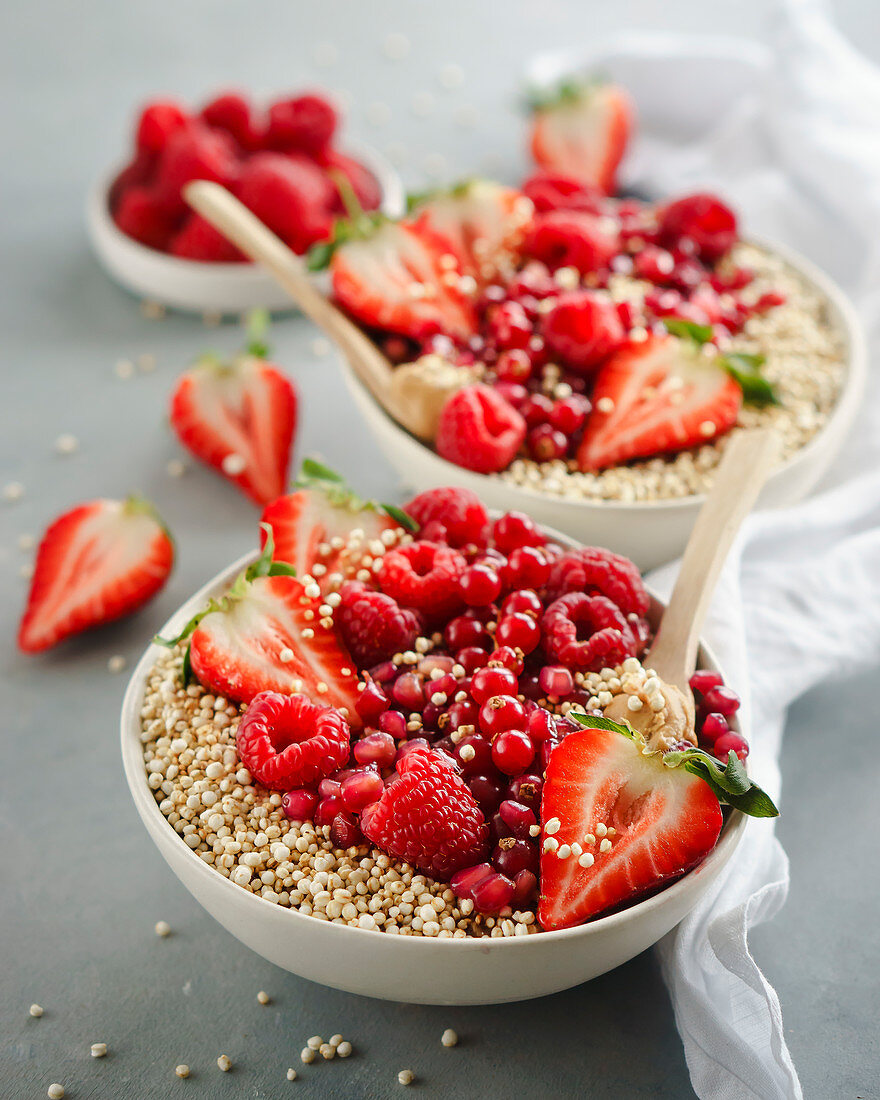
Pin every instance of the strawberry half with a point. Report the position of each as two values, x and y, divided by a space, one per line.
392 277
582 132
324 508
637 822
265 634
239 418
96 563
481 223
654 397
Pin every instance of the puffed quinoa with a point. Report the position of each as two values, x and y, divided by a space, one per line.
99 1050
182 1070
406 1077
55 1092
36 1011
449 1038
224 1062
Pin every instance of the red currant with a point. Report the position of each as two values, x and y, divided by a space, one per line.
489 682
537 409
569 413
527 567
520 631
514 366
509 326
472 658
526 601
546 443
512 751
500 714
481 761
479 585
515 529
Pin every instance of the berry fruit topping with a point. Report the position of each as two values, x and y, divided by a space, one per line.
373 626
479 430
587 633
288 741
460 513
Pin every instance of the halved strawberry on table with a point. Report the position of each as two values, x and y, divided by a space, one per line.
238 417
96 563
581 130
266 634
650 398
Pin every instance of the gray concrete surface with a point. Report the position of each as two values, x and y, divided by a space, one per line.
82 885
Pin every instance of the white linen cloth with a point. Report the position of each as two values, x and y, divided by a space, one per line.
791 135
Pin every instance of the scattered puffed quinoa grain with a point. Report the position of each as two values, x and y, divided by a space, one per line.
146 362
263 997
225 1063
99 1050
116 663
182 1070
335 1040
314 1043
307 1055
13 491
291 1074
26 571
66 444
449 1038
163 928
326 1051
124 369
344 1049
55 1092
26 542
36 1011
406 1077
175 468
233 464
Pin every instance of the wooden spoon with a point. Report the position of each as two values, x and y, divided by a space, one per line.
412 393
748 459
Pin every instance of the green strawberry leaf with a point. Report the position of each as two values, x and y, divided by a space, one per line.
313 470
569 90
398 514
187 676
600 722
745 369
344 230
688 330
257 325
415 199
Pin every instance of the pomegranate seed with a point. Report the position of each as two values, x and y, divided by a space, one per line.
463 882
299 804
628 317
408 691
513 366
393 722
512 751
327 809
731 742
345 831
542 725
704 680
437 662
654 264
515 529
371 701
511 856
492 893
479 585
714 726
569 413
501 713
519 631
330 788
530 687
525 601
518 817
722 700
537 409
526 789
547 747
488 682
361 789
488 790
481 761
375 748
513 393
384 673
556 680
769 300
525 887
472 659
546 443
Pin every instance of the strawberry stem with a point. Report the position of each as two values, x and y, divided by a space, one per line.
256 326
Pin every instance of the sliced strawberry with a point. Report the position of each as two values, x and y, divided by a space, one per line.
303 524
658 821
654 397
481 223
394 279
240 418
583 133
266 634
97 562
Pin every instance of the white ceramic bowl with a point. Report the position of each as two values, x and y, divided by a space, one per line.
417 970
193 286
650 532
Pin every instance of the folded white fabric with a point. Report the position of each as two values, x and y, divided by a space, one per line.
790 135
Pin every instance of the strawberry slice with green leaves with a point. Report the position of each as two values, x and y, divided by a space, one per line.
266 634
656 397
581 130
239 417
96 563
479 222
303 524
632 819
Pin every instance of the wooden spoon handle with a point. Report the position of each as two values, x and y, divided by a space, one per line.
748 459
233 219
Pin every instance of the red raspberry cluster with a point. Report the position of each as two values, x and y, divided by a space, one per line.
280 162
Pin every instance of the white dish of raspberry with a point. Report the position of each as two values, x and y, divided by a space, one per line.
394 723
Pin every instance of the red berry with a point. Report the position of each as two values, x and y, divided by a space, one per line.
288 741
550 191
327 809
571 238
514 855
594 570
704 680
525 601
330 788
460 511
143 217
512 751
586 633
509 327
582 329
233 113
424 575
519 631
372 624
500 713
428 817
299 804
518 817
556 680
537 409
362 788
513 393
513 366
525 887
489 682
480 585
464 632
653 264
769 300
158 121
290 194
375 748
703 219
542 725
481 761
731 742
527 790
472 659
345 832
372 701
393 723
492 893
305 122
505 657
527 567
194 152
546 444
463 882
408 691
199 240
722 700
479 430
514 529
569 413
714 726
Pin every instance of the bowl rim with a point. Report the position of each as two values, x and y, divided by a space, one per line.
98 217
153 818
841 415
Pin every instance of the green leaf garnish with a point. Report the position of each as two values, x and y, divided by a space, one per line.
415 199
313 470
257 325
569 90
745 369
730 782
398 514
359 228
688 330
315 475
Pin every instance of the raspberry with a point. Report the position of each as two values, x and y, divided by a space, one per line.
194 152
305 122
362 180
703 219
158 121
233 113
479 430
582 329
571 238
288 741
199 240
549 191
428 817
138 172
424 575
596 571
460 511
586 633
290 194
372 624
141 216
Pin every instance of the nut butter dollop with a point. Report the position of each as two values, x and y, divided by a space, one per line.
663 714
